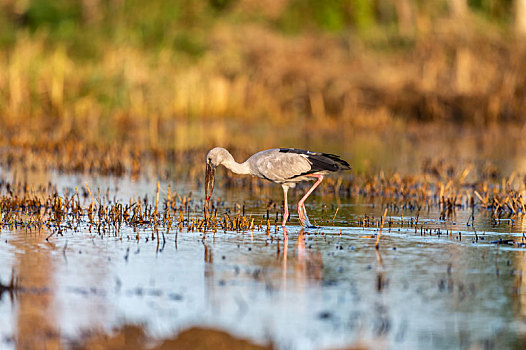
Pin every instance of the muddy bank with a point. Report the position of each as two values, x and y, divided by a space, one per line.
134 338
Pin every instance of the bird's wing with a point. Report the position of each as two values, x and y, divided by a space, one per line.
278 166
320 162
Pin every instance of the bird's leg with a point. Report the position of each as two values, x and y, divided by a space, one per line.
285 206
302 212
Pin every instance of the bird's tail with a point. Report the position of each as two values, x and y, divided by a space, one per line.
334 160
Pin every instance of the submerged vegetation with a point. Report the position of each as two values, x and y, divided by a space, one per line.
34 209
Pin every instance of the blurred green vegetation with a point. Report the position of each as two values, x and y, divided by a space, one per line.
159 73
183 25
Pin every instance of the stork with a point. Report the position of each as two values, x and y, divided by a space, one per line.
284 166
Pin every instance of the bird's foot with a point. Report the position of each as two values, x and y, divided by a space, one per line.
306 222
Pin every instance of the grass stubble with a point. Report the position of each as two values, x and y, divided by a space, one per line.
33 209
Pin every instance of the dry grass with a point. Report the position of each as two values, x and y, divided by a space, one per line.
253 81
439 186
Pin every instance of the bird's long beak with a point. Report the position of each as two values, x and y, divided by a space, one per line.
209 181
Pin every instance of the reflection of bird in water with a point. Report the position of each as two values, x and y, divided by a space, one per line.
285 166
308 265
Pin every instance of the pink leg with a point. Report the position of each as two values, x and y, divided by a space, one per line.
301 204
285 205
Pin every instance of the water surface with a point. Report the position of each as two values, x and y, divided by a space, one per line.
313 289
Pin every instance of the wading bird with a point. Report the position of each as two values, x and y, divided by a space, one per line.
284 166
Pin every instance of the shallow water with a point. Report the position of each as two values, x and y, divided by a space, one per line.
319 288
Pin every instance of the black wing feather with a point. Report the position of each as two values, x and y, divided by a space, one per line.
320 161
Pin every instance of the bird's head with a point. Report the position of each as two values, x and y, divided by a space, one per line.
214 158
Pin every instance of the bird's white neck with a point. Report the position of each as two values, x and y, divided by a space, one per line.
235 167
